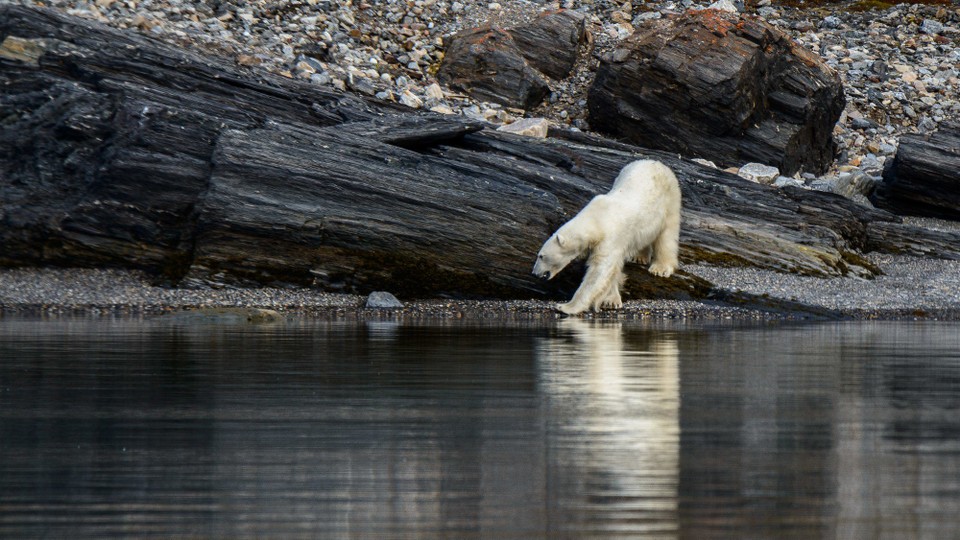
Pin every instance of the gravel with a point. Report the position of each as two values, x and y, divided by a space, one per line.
908 285
910 288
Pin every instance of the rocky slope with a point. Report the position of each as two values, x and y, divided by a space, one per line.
898 65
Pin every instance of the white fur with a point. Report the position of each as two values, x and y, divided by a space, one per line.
638 219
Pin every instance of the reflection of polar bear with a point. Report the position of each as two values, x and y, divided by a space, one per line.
639 219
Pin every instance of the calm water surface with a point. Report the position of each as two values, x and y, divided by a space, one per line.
566 430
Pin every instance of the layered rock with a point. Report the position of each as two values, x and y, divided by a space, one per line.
551 42
923 177
725 87
512 67
487 64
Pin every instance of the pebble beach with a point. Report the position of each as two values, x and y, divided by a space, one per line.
899 64
910 288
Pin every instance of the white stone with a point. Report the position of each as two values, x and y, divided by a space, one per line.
383 300
433 91
531 127
759 173
410 100
705 162
784 181
442 109
723 5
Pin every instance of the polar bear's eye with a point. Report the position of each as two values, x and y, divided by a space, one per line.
540 257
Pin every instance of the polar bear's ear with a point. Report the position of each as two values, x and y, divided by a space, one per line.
561 240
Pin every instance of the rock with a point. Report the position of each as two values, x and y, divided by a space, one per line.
511 67
551 42
922 177
724 5
487 64
785 181
887 149
831 22
27 51
931 26
871 163
442 109
759 173
382 300
434 92
531 127
361 85
853 183
862 200
727 88
646 16
827 184
409 99
705 162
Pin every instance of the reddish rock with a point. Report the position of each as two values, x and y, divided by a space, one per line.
513 66
725 87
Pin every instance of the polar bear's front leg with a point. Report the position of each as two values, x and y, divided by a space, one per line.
611 297
612 300
596 285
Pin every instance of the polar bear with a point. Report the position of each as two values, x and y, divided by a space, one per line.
638 219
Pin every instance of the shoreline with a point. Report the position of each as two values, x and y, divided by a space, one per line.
910 289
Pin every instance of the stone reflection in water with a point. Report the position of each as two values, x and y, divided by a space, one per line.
612 403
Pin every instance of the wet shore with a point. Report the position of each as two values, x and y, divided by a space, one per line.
909 289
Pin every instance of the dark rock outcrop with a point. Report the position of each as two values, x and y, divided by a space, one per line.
487 64
512 67
729 88
923 179
118 150
551 42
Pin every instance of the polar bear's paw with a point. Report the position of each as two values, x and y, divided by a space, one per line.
612 302
569 308
662 269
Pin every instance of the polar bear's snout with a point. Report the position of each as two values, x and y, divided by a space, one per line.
541 272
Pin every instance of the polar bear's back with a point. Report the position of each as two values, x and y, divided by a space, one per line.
645 178
644 199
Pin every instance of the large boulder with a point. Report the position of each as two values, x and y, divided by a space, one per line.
726 87
487 64
551 42
922 178
513 66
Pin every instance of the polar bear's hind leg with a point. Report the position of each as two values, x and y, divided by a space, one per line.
666 247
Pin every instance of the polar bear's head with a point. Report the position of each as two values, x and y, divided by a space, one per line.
555 255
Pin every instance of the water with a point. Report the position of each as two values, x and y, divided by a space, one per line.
568 430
